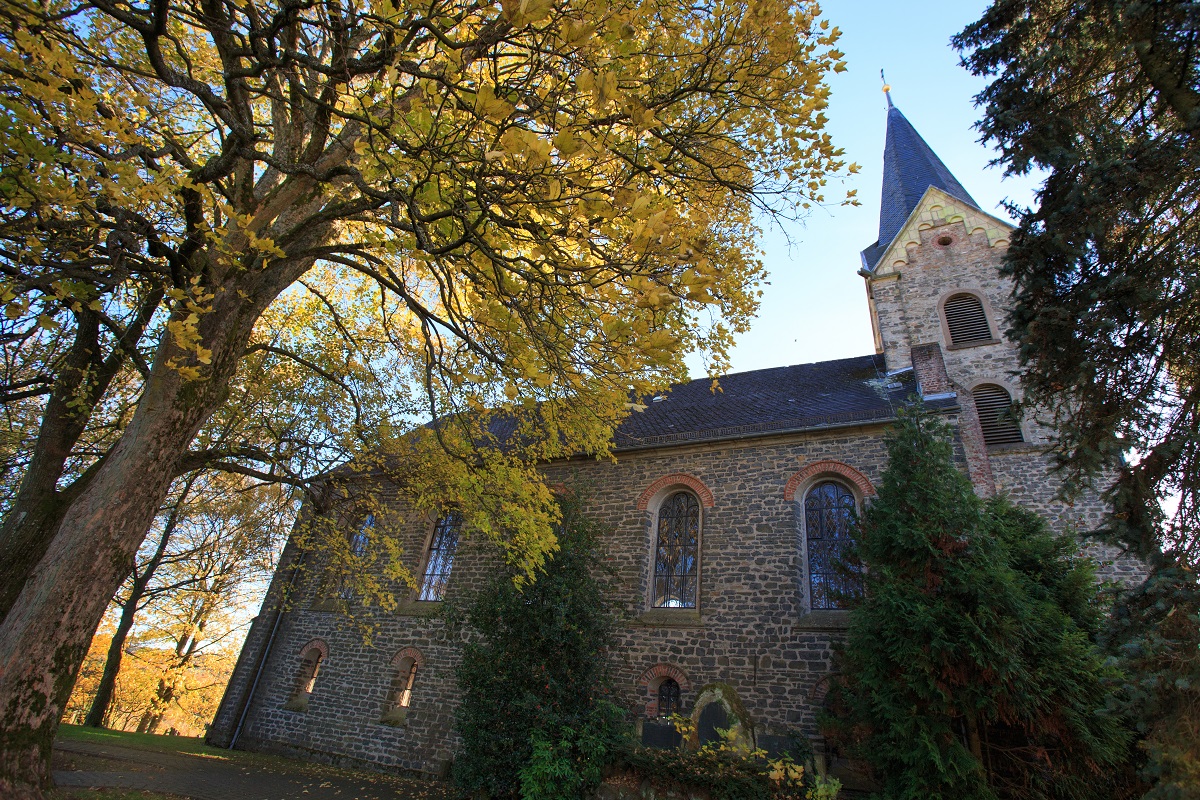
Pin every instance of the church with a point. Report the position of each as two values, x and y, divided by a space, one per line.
728 513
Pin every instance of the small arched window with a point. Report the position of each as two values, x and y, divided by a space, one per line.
306 677
995 408
966 320
395 708
829 512
440 559
669 698
676 554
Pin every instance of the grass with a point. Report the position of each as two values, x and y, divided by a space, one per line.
196 747
140 741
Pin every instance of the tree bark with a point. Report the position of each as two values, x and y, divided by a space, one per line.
45 635
37 510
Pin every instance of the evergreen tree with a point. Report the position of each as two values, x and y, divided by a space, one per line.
1104 96
1154 635
532 680
968 671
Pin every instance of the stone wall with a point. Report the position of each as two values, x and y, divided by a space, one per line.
752 629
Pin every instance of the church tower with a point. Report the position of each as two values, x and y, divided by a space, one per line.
938 302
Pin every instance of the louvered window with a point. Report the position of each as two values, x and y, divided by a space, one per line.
966 319
994 406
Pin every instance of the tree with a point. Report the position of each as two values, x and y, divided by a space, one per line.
968 670
1154 637
218 534
552 202
1105 96
533 677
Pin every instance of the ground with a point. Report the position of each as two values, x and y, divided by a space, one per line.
132 766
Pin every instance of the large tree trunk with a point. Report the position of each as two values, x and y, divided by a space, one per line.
45 635
38 508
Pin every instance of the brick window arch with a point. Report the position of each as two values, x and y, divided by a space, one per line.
312 656
680 479
827 467
652 681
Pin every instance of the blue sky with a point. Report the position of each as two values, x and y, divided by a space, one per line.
815 308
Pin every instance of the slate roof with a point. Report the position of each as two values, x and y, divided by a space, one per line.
909 168
765 401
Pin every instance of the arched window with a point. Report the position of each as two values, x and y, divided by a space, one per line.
440 559
829 511
395 708
966 320
668 698
676 554
995 408
306 678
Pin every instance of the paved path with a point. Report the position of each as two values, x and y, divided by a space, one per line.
207 776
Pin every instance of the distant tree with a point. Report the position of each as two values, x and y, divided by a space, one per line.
551 202
533 675
968 671
219 535
1104 95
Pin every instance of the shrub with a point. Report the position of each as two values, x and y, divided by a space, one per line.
532 677
969 669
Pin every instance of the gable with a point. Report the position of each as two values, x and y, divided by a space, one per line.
935 209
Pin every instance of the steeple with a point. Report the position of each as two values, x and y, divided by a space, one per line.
909 168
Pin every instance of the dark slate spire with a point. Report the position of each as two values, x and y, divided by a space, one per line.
909 168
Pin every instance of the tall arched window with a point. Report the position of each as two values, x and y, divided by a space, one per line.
358 548
966 320
676 554
995 408
669 698
829 511
440 559
306 677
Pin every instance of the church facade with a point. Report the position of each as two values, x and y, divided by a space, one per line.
728 513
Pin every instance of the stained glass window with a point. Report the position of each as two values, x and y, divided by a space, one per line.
829 511
668 698
441 557
677 552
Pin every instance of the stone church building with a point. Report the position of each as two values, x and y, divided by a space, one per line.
729 511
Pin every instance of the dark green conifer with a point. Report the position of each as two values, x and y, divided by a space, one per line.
534 671
968 671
